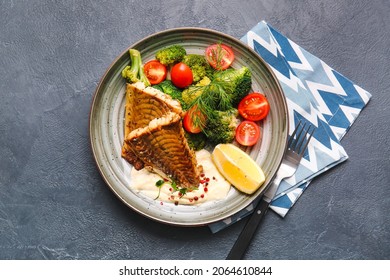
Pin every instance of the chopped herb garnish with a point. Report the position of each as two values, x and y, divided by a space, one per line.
183 191
174 186
159 184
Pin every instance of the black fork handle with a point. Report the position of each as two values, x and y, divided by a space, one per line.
244 239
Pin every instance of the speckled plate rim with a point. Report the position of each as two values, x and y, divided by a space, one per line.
170 216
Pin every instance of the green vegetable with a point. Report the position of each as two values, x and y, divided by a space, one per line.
196 141
171 55
182 191
135 72
216 96
222 127
159 184
223 93
174 186
211 98
169 88
217 102
216 93
192 92
237 82
199 66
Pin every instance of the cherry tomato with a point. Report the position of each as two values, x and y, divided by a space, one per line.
247 133
194 120
181 75
254 107
155 71
219 56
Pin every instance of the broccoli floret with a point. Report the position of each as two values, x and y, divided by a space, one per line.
198 72
168 87
157 87
196 141
192 92
222 127
194 59
237 82
171 55
135 72
199 66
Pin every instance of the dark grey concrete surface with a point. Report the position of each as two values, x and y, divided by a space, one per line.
55 205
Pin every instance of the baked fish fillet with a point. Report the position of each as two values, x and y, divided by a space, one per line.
147 103
162 146
144 104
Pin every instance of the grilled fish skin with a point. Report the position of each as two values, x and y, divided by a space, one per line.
144 104
162 146
131 157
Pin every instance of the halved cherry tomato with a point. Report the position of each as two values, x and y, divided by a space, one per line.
155 71
247 133
254 107
194 120
219 56
181 75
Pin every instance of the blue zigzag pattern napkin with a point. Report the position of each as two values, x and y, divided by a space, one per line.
316 94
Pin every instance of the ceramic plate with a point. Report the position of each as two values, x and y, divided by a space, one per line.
107 124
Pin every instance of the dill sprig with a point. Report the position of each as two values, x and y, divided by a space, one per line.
216 96
217 55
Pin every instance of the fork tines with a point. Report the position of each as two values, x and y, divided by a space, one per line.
297 141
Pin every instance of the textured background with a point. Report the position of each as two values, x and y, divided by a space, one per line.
55 205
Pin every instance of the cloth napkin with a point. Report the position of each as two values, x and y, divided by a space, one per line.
316 94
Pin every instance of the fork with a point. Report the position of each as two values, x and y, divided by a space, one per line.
296 147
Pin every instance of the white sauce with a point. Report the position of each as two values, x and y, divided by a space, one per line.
213 185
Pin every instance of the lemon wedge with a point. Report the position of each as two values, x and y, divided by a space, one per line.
238 168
